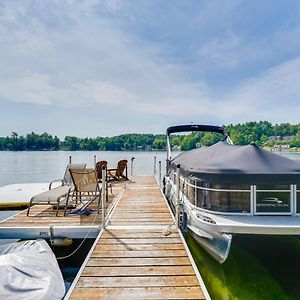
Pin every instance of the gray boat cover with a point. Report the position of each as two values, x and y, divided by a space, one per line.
232 164
29 270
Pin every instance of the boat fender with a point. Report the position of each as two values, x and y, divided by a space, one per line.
183 222
62 242
164 184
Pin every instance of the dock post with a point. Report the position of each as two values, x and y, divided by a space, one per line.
131 166
178 193
167 166
95 160
159 173
103 196
70 159
154 166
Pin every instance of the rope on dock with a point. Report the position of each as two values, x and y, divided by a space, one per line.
81 243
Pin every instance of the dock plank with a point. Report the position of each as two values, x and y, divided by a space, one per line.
138 271
139 247
141 293
141 241
135 281
152 253
145 261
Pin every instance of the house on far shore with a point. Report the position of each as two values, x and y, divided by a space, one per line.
281 138
283 142
288 137
280 147
275 138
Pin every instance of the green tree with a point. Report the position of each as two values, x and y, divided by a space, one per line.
72 143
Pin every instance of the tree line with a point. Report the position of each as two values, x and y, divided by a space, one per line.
45 141
262 133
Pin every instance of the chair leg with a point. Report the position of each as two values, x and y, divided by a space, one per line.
28 209
66 205
57 208
106 192
99 202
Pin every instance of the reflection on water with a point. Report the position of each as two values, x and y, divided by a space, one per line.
258 267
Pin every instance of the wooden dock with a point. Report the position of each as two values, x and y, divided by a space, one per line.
132 259
42 222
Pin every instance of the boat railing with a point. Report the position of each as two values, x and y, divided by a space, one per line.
213 189
282 201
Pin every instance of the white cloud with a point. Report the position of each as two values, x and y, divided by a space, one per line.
78 54
86 62
273 96
37 89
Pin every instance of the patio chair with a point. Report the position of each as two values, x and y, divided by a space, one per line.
118 173
54 196
86 189
99 165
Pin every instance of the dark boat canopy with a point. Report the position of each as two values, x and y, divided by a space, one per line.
192 127
232 164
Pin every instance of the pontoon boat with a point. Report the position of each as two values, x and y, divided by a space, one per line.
225 189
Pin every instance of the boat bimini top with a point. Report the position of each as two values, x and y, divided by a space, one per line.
192 127
226 163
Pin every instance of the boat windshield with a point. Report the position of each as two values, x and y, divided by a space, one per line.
222 198
243 198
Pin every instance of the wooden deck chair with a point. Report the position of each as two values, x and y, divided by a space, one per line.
118 173
98 167
86 189
54 196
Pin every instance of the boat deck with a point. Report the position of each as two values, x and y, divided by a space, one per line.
132 259
42 222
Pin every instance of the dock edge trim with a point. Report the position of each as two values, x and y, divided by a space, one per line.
198 275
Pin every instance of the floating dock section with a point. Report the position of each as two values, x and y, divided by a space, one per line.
133 259
42 222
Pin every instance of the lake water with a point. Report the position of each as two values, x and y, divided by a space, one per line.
45 166
258 267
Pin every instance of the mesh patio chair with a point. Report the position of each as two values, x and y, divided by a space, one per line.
86 189
118 173
54 196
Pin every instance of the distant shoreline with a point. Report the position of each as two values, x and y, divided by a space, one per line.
281 137
81 150
154 151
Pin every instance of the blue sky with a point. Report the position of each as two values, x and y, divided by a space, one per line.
100 68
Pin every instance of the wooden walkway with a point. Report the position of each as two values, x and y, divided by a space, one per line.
132 259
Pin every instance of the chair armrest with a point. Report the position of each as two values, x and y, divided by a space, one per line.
71 189
56 180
